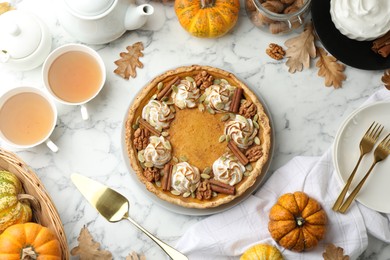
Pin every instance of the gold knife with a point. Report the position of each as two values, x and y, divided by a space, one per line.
114 207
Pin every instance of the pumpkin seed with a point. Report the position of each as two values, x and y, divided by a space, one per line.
222 138
255 118
153 97
202 97
183 158
165 99
167 145
148 164
211 111
217 82
249 167
224 81
232 116
172 108
143 166
175 160
201 107
141 157
175 192
137 120
225 117
190 79
193 188
135 126
220 106
193 195
242 101
175 88
165 134
158 184
177 183
169 102
207 170
186 194
255 124
227 138
246 173
174 168
257 140
214 194
160 86
205 176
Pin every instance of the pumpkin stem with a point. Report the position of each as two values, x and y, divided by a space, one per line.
35 203
300 221
28 253
207 3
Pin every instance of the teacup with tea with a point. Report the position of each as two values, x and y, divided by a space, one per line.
74 74
27 118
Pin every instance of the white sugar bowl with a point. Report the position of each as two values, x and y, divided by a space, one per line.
25 41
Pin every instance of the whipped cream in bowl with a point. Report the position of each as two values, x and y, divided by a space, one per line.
185 177
241 130
158 152
361 20
157 114
186 95
228 169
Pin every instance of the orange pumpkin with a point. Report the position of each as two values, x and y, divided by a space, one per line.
29 239
297 222
207 18
262 252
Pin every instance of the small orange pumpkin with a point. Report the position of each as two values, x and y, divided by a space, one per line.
262 252
297 222
207 18
29 240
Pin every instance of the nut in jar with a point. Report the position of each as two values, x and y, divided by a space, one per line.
277 16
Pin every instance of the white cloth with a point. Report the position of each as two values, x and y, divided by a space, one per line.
228 234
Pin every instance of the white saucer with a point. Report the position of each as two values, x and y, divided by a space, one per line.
375 193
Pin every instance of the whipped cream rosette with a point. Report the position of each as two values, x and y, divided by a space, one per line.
185 177
241 130
158 152
228 169
361 19
186 95
219 97
157 114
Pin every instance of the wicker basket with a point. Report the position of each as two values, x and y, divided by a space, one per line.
45 213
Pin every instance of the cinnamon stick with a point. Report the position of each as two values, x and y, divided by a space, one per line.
166 181
237 152
149 127
168 88
222 190
220 184
236 100
384 51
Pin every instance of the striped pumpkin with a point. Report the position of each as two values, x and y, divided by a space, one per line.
13 210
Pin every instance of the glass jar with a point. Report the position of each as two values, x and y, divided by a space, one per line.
277 16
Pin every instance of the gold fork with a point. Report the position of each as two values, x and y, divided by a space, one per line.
380 153
366 144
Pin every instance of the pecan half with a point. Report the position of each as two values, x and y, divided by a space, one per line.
275 51
254 153
247 109
204 80
141 138
204 191
152 174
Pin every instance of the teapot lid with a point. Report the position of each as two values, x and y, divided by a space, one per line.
20 34
89 7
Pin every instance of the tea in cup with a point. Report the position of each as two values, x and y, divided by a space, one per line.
74 74
27 118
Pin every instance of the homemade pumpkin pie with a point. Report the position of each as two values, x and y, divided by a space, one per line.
197 137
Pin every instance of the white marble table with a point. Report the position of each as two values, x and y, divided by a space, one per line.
305 113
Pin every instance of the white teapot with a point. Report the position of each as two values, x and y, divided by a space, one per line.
102 21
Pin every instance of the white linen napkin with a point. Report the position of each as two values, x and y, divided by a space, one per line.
228 234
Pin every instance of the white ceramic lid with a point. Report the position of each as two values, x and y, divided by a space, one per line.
89 7
20 34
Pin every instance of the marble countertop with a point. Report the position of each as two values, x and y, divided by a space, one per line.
305 113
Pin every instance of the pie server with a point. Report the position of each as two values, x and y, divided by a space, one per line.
114 207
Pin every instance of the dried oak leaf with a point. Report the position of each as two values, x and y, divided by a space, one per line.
88 248
334 253
134 256
386 79
330 69
5 7
300 49
129 61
